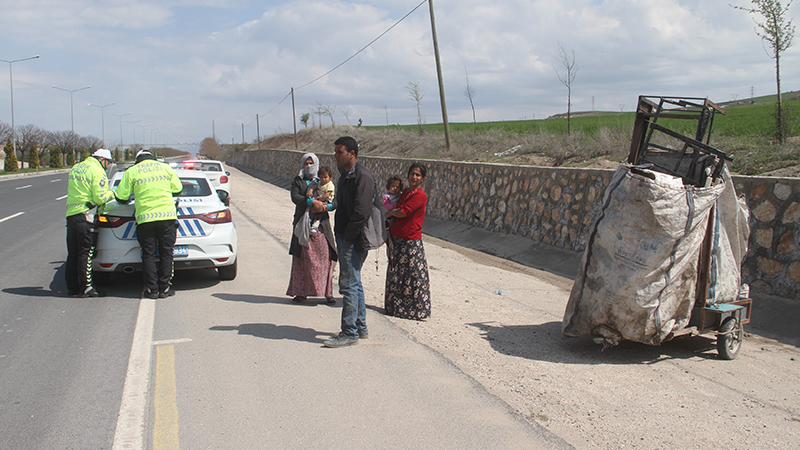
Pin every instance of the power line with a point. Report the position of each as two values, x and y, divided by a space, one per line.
348 59
364 48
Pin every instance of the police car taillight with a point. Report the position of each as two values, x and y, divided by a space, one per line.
189 165
223 216
223 179
104 221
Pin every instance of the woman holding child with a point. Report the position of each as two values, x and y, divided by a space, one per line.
312 266
407 286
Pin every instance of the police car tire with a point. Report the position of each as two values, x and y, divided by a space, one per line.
227 273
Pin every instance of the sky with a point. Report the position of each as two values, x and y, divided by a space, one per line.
184 70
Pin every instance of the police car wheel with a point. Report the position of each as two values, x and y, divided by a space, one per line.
227 273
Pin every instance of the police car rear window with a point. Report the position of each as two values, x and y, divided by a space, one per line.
195 187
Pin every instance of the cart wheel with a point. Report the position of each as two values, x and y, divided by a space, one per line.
729 338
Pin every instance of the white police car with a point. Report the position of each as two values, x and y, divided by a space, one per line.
206 232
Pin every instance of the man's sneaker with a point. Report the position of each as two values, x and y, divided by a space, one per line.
340 340
91 292
168 293
363 333
151 294
299 299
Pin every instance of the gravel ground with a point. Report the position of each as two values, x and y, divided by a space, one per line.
500 323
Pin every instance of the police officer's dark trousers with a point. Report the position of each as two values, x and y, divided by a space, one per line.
157 269
81 240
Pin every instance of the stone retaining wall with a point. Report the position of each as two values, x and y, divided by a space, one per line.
556 206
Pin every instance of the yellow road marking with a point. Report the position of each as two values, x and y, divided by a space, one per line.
165 431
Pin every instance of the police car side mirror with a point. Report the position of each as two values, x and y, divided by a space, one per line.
223 196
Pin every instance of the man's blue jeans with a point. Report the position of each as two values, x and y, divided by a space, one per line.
354 308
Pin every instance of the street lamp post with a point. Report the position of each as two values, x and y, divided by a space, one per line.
121 144
103 118
134 129
71 112
11 81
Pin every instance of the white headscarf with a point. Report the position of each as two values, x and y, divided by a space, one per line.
309 172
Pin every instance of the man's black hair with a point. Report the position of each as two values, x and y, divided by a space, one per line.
350 144
422 169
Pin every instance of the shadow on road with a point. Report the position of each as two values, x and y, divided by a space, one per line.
259 299
544 342
274 332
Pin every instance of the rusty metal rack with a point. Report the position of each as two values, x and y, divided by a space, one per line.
691 159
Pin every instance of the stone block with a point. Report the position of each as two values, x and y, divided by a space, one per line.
765 212
764 237
782 191
769 266
792 213
786 244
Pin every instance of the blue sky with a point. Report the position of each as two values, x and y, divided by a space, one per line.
179 65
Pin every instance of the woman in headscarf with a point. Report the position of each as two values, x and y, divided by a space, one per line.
312 266
408 292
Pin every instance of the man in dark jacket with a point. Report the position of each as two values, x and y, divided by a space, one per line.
355 195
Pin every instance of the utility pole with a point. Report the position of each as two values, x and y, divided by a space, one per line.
258 133
242 133
294 120
213 132
439 74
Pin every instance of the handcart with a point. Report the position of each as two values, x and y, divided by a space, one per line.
697 163
663 256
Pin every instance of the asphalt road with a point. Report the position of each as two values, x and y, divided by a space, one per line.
62 359
225 364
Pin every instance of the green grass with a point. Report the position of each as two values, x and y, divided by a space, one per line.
43 169
739 121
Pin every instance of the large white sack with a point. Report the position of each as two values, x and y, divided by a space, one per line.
729 244
638 275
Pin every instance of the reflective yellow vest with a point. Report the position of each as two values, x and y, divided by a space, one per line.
87 183
152 184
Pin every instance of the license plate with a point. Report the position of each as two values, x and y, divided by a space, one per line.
180 250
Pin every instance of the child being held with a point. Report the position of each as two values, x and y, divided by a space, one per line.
323 191
394 185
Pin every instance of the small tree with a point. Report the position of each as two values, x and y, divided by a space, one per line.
117 154
567 77
469 92
415 94
10 163
778 33
84 154
56 159
304 119
70 159
33 159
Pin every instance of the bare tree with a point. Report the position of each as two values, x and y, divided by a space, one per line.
328 111
386 108
567 77
210 147
318 111
778 33
346 113
29 138
5 133
469 92
415 94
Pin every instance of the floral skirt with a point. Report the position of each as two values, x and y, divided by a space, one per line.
312 271
408 292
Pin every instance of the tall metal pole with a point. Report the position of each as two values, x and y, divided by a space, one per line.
11 81
294 120
134 129
439 74
242 133
103 117
258 133
121 143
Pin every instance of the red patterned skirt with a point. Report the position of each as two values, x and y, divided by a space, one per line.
312 271
408 292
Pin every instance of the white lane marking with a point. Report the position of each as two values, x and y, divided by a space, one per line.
171 342
62 197
57 179
11 216
131 421
23 187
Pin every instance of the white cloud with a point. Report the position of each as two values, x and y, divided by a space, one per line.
181 64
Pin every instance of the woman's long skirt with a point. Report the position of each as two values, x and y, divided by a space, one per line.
312 271
408 292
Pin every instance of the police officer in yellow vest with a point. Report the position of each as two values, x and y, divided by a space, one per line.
87 188
154 184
